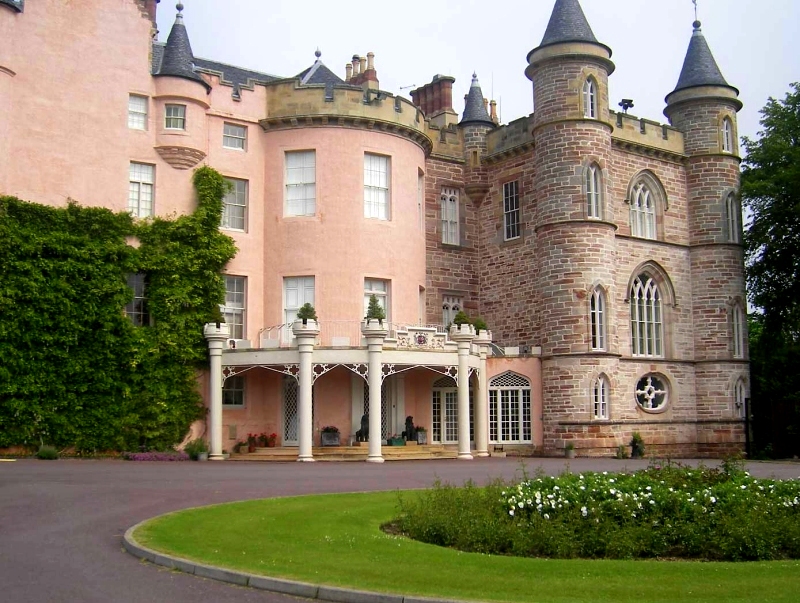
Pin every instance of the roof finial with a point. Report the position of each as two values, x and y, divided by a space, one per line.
179 16
179 6
696 23
318 53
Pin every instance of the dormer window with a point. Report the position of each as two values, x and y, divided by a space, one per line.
590 98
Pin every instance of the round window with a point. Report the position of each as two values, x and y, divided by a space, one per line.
651 393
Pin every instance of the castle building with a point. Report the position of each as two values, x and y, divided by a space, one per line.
602 250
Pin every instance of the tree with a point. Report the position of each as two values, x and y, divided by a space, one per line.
771 192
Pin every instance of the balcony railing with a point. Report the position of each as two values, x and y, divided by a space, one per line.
337 334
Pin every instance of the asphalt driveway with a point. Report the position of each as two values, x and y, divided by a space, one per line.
61 522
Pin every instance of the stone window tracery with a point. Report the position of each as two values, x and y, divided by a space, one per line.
597 310
732 218
451 305
600 394
646 317
643 212
449 200
652 393
594 196
590 98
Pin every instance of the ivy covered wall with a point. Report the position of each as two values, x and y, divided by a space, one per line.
74 370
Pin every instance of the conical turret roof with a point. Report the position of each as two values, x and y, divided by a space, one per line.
568 24
178 60
475 110
699 66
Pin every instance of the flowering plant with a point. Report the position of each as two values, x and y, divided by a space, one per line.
330 429
271 439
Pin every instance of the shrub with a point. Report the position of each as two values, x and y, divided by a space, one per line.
480 325
461 318
374 310
195 447
714 514
307 312
47 453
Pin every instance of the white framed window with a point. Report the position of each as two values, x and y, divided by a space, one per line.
233 391
739 399
594 208
510 409
652 393
297 291
643 212
590 98
234 308
727 135
301 183
175 117
136 309
380 289
449 199
234 137
451 305
597 310
140 189
600 392
511 213
732 218
739 328
647 335
376 186
234 205
444 412
137 112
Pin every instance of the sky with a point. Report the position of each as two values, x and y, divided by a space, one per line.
754 43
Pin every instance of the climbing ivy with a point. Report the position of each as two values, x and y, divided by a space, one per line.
74 371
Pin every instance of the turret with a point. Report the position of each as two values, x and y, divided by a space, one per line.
180 101
704 106
575 250
476 123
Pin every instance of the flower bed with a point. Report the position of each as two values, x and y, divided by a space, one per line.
715 514
155 456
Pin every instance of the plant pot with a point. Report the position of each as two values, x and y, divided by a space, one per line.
569 453
251 448
329 439
395 442
271 444
422 438
202 456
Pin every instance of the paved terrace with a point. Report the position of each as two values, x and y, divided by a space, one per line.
61 523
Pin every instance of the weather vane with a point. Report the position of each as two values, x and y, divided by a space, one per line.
695 9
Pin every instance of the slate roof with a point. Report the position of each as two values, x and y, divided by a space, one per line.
318 73
475 110
18 5
699 66
177 59
568 24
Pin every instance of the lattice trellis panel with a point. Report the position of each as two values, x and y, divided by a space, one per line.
384 409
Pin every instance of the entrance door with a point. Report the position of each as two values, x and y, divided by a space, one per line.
444 412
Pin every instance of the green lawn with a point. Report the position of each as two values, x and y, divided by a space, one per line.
336 540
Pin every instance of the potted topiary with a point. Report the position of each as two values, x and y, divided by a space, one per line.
569 450
306 313
329 435
375 311
480 325
422 436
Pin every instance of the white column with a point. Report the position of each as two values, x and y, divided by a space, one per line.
306 334
374 333
482 397
216 334
463 336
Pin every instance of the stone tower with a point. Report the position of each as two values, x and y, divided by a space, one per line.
575 229
703 106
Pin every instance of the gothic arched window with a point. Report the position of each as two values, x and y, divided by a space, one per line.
597 310
647 329
590 98
600 391
594 193
643 212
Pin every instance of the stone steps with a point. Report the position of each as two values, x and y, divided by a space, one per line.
351 453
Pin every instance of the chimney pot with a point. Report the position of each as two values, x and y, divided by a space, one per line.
370 60
348 70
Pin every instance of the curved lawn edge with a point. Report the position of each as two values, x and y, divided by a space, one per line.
276 585
335 539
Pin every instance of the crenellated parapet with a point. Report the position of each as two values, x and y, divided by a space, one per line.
291 105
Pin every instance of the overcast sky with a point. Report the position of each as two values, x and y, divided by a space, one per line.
755 43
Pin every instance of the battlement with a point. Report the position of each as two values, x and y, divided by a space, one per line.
632 130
